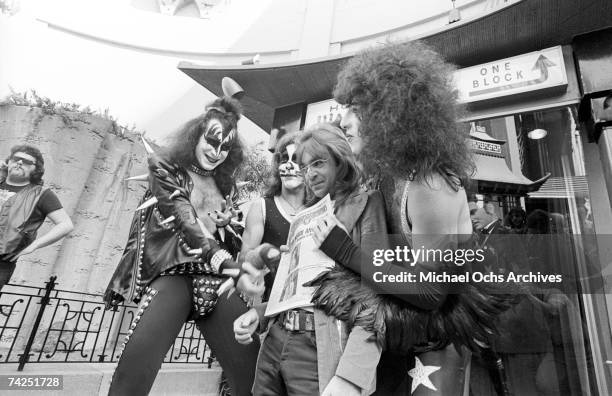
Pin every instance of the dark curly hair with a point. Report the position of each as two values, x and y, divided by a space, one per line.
407 104
182 144
39 167
274 184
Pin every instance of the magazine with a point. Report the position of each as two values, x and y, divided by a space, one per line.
302 263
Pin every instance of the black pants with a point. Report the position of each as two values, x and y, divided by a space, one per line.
160 324
6 271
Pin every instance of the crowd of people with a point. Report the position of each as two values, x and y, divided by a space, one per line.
395 169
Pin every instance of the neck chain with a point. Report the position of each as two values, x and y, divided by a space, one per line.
202 172
295 209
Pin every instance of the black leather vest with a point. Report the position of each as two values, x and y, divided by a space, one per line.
17 230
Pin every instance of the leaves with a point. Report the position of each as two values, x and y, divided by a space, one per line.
255 171
69 112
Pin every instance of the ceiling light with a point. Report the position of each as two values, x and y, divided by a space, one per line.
537 134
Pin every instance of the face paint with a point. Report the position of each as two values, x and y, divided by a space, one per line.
289 170
214 145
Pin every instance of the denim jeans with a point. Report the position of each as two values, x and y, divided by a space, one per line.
287 364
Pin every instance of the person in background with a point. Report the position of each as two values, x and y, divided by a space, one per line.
24 205
516 220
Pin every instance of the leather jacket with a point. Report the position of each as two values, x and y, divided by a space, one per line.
17 230
155 246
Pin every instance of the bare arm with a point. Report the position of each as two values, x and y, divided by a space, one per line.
253 229
62 227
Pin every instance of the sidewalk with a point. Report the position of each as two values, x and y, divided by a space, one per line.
84 379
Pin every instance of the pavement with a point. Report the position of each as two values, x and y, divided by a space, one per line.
84 379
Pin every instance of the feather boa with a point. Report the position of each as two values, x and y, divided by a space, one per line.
465 318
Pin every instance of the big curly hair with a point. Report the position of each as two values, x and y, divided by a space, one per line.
404 96
182 144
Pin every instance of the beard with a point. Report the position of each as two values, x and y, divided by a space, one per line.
17 176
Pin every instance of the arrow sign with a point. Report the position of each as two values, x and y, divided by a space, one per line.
528 72
543 63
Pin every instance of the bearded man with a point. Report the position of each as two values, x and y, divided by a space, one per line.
24 205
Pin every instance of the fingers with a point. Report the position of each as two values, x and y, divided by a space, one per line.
244 340
284 249
322 229
242 334
244 327
250 269
195 252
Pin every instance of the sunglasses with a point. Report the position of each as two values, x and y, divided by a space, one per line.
24 161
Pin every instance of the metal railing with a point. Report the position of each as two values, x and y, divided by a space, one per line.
49 325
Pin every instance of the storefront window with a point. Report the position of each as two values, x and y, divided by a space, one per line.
542 199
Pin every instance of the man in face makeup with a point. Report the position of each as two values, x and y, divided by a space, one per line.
269 219
180 241
24 205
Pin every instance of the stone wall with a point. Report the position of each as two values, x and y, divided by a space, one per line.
86 163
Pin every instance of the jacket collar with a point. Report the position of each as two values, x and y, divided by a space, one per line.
351 209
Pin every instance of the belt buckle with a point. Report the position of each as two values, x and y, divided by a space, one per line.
291 319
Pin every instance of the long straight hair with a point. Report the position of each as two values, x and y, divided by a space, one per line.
327 141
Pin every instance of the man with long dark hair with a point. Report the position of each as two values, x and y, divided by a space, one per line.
401 100
24 205
179 245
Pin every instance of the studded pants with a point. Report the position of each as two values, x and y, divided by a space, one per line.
158 327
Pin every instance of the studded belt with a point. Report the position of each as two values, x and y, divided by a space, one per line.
296 320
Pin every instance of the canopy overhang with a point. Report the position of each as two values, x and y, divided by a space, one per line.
526 26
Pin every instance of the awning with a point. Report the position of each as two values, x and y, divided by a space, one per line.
563 187
527 26
493 176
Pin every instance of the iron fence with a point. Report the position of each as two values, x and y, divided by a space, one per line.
49 325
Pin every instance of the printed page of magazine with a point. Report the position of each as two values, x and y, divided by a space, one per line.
302 263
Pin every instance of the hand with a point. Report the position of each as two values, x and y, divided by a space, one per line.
251 282
284 249
245 326
29 249
112 299
224 218
340 387
323 228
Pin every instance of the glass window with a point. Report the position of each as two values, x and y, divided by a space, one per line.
535 188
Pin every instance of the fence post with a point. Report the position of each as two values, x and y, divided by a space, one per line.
23 359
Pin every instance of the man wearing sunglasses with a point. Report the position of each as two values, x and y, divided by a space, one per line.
24 205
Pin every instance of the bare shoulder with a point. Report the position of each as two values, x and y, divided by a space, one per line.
435 207
434 189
